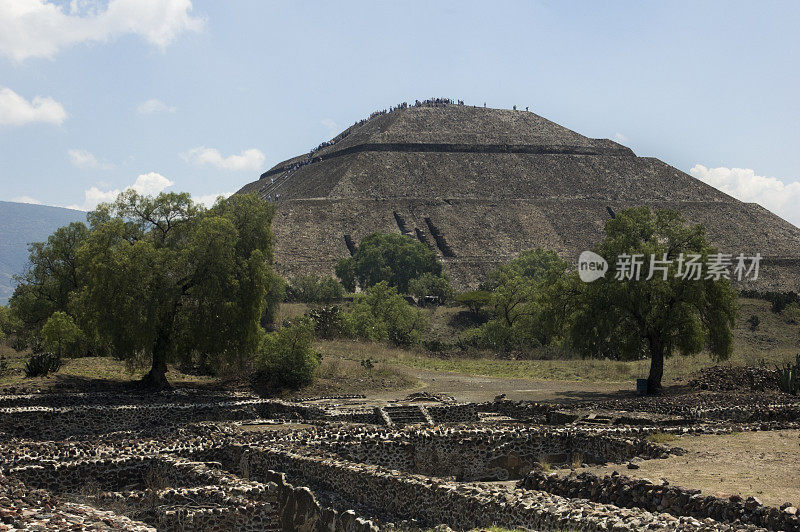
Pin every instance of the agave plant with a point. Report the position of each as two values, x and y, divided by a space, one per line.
789 377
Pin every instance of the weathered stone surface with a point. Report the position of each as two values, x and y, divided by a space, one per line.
480 185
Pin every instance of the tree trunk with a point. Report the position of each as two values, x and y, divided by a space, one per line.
656 371
156 378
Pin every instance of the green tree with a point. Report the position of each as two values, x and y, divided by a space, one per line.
476 301
393 258
382 314
314 289
524 302
654 318
4 321
59 331
346 272
430 285
176 277
286 358
51 280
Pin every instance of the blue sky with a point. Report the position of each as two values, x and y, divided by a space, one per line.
204 95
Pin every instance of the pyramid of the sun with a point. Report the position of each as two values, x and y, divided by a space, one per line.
480 185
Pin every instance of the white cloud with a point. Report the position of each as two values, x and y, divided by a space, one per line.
333 129
38 28
84 159
16 110
251 159
149 184
744 184
209 199
619 137
27 199
154 105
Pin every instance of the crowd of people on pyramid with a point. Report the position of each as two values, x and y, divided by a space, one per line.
311 158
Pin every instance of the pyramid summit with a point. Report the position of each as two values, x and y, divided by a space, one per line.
480 185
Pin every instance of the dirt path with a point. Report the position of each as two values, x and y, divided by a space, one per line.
477 388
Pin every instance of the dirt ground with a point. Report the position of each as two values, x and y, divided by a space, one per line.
478 388
762 464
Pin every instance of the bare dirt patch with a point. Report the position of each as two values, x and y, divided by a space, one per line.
761 464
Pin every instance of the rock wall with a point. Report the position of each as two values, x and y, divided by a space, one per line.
641 493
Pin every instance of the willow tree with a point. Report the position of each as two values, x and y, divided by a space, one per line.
675 310
164 276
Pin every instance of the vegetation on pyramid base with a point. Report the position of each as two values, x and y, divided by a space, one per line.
42 365
381 314
286 358
789 377
391 258
314 289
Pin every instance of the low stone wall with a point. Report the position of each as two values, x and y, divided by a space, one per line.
488 454
55 423
455 413
300 511
461 506
641 493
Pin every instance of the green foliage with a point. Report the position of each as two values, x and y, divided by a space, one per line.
526 303
778 300
789 377
476 301
429 285
42 365
346 272
754 322
154 277
314 289
382 314
395 259
5 321
327 321
52 279
286 358
59 331
629 319
274 296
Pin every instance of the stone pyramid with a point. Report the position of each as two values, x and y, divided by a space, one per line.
480 185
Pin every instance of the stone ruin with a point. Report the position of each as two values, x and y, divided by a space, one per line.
229 461
478 186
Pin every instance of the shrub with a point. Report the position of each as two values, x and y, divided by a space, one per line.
59 332
381 314
754 322
432 286
789 377
393 258
42 365
476 301
327 321
314 289
286 358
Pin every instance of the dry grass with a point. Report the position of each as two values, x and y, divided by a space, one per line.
336 376
84 371
775 341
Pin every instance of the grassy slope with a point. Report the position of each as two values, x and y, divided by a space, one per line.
775 340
